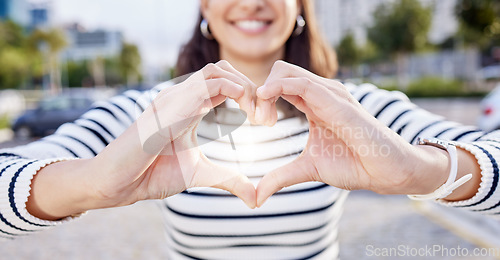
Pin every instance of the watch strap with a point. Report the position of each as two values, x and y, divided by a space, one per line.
451 184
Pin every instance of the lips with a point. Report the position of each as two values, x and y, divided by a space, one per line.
252 26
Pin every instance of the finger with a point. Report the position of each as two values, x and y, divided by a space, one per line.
217 100
263 111
211 175
228 67
223 69
208 105
247 101
222 86
287 175
315 95
282 69
300 104
213 71
273 115
218 91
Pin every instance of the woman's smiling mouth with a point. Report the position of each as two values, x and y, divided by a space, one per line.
252 26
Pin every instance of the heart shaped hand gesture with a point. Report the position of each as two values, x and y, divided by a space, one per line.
167 159
158 156
347 147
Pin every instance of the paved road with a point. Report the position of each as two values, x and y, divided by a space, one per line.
370 222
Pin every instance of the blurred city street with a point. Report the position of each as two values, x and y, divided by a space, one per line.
136 232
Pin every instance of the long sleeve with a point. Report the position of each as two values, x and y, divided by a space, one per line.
396 111
84 138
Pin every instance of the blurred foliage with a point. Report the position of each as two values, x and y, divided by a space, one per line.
130 63
4 121
435 87
11 34
26 56
20 57
113 73
389 87
54 39
400 27
479 21
348 52
14 64
78 73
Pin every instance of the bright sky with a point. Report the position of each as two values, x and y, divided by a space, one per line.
159 27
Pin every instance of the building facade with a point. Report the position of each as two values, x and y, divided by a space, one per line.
40 15
89 45
15 10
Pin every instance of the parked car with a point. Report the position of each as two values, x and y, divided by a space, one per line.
490 111
490 72
49 115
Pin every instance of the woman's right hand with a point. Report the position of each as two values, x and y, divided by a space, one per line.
156 157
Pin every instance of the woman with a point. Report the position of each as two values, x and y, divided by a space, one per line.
155 155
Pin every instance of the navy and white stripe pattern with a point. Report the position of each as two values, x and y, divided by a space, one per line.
300 222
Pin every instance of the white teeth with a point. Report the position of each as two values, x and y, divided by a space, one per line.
251 24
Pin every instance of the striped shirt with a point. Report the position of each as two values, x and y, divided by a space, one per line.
299 222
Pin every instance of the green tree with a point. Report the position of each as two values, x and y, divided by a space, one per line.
52 41
479 21
78 73
401 28
11 34
112 74
14 67
14 62
130 63
348 52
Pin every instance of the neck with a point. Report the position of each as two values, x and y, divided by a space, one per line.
258 69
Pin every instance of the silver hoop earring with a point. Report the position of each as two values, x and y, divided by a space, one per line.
205 31
299 27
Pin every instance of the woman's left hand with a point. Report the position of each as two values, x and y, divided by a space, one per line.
347 148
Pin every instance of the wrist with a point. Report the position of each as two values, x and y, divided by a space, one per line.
431 169
60 190
467 164
462 180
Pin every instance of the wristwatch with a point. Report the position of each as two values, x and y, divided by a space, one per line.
450 185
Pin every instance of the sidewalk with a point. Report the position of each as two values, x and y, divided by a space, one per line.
382 222
370 221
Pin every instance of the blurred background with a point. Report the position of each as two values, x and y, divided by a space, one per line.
59 56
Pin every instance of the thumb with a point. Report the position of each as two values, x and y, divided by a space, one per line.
287 175
212 175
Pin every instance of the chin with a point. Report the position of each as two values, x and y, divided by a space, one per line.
255 51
